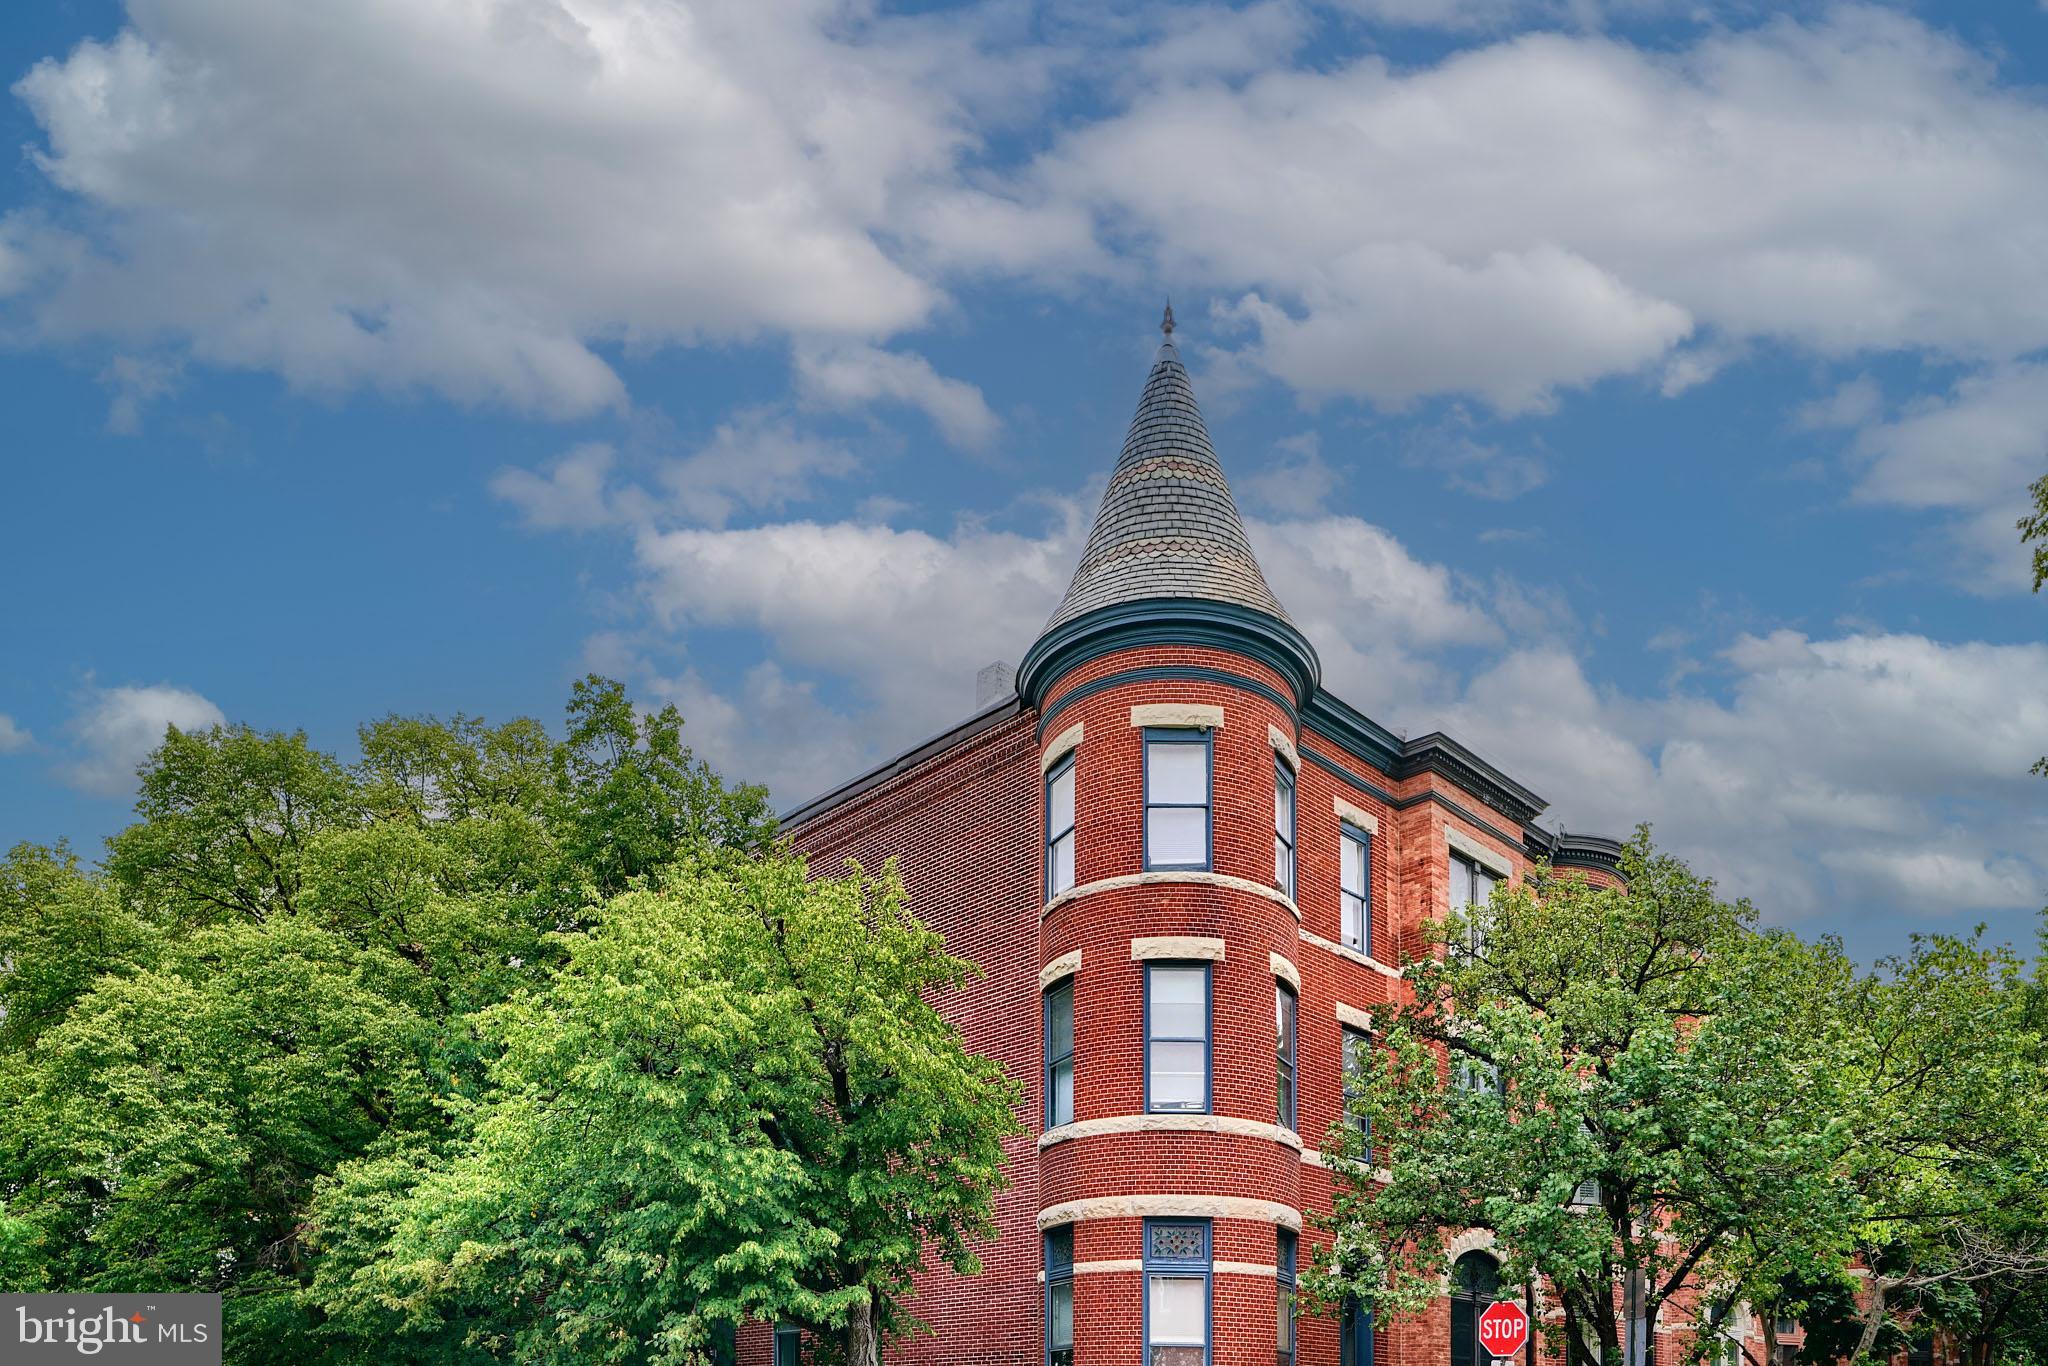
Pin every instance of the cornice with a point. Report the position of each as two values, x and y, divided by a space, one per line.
1169 621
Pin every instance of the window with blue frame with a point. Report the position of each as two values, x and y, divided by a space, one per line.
1354 1336
1177 772
1355 866
789 1345
1357 1061
1283 1032
1283 826
1472 887
1177 1037
1059 1296
1284 1263
1059 827
1176 1292
1059 1054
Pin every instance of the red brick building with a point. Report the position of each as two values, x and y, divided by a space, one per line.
1189 873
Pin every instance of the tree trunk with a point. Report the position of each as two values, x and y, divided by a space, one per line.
1872 1316
863 1340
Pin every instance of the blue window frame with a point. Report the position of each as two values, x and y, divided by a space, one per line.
789 1345
1354 1336
1177 1055
1178 770
1059 1296
1356 1058
1354 850
1283 1036
1284 1263
1283 827
1059 1054
1177 1292
1059 827
1472 885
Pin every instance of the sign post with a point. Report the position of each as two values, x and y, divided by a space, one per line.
1503 1329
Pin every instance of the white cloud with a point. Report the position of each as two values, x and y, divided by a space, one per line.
1870 773
1971 452
471 197
13 737
853 376
136 382
1544 211
757 460
570 494
114 730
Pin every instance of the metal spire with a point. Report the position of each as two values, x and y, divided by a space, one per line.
1166 323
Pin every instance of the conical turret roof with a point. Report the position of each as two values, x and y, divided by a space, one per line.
1168 527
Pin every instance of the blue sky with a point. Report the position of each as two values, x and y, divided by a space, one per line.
1643 392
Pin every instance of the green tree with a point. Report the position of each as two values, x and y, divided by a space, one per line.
60 930
279 970
168 1132
630 793
224 819
1568 1033
737 1099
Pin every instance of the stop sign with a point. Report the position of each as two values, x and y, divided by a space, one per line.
1504 1328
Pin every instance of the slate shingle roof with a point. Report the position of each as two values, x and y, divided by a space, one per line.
1168 527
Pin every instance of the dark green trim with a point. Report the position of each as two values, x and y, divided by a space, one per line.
1365 784
1164 673
1575 851
1353 729
1437 752
1169 621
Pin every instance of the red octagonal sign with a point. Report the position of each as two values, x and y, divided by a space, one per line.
1504 1328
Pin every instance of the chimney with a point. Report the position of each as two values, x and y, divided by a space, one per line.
993 684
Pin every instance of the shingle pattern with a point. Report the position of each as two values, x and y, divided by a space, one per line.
1168 527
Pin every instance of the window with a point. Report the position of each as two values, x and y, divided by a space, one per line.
1471 888
1284 1262
1727 1349
1177 1037
1059 1296
789 1345
1283 827
1059 1055
1283 1031
1475 1283
1059 827
1354 1347
1480 1078
1355 856
1357 1061
1176 1292
1177 799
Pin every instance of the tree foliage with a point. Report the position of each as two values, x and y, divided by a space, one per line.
556 1000
1765 1124
736 1099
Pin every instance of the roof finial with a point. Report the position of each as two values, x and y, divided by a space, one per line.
1166 323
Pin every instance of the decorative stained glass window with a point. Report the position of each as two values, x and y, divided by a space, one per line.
1283 1263
1059 1296
1176 1292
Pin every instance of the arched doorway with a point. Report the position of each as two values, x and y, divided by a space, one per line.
1475 1283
